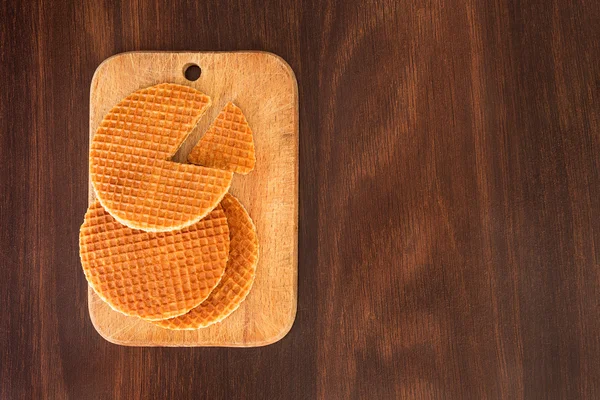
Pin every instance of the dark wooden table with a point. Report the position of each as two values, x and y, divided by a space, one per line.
449 200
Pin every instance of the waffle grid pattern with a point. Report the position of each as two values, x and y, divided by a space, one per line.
237 279
129 166
153 275
228 144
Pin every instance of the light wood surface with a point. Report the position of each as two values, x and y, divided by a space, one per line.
265 88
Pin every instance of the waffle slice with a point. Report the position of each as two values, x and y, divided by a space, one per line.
228 144
153 275
129 161
237 279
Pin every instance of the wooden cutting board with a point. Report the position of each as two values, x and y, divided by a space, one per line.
265 88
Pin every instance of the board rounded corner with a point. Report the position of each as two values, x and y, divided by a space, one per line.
279 60
98 327
105 63
283 332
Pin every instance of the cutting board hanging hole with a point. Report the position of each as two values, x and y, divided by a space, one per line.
192 72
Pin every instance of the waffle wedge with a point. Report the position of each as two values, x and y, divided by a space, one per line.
228 144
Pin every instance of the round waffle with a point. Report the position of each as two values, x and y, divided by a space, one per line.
129 161
228 144
237 279
153 275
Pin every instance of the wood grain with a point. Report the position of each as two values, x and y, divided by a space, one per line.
265 88
449 198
